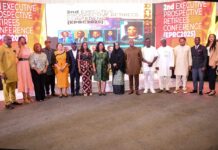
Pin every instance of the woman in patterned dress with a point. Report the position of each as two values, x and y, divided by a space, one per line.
85 68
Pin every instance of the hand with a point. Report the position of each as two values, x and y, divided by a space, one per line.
80 72
189 68
114 64
38 71
94 70
203 69
157 68
62 69
171 68
44 71
3 76
150 64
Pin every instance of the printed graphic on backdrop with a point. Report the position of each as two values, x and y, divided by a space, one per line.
97 24
26 19
184 19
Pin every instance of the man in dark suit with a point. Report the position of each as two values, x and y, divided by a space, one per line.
80 37
199 62
74 71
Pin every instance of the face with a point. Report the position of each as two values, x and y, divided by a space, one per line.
79 34
48 44
73 46
101 46
60 47
117 45
131 31
197 41
8 41
163 43
110 33
95 34
22 41
182 42
85 46
38 48
131 42
211 38
65 34
148 43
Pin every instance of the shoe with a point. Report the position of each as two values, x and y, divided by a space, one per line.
60 96
152 91
137 93
78 94
85 94
145 91
10 107
65 95
212 93
130 92
194 91
53 94
160 91
168 91
99 94
72 94
90 94
25 101
16 103
104 94
208 92
185 91
176 91
200 93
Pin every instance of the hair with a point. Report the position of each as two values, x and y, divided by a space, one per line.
22 37
213 46
182 38
82 49
97 47
131 24
115 45
58 44
83 33
34 46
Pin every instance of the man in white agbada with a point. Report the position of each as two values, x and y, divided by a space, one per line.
149 56
165 64
183 62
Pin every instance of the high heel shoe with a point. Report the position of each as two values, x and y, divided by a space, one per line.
208 92
212 93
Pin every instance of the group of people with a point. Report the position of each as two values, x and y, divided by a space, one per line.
36 72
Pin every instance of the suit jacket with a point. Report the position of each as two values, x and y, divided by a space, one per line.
73 62
8 64
199 56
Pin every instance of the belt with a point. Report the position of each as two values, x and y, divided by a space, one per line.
23 59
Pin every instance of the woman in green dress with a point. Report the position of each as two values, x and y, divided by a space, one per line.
101 67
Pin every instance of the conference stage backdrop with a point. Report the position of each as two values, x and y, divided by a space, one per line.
95 22
22 19
184 19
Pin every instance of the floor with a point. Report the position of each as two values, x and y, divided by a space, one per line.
147 122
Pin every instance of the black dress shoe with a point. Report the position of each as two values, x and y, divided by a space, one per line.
160 91
167 91
78 94
104 94
194 91
16 103
200 93
10 106
130 92
137 93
